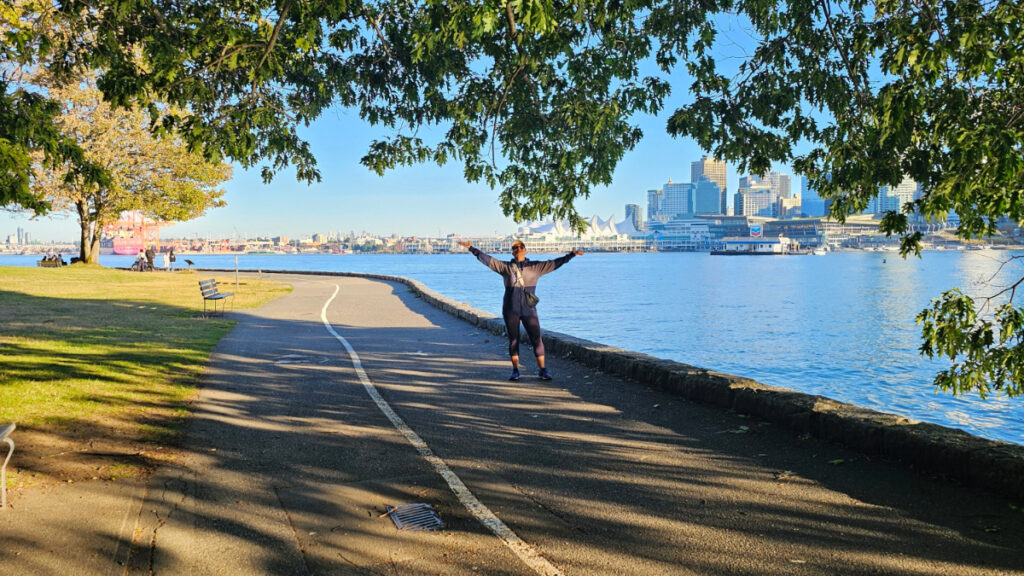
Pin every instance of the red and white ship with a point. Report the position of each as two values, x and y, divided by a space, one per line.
133 232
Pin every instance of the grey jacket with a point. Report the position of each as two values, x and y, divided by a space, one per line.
514 303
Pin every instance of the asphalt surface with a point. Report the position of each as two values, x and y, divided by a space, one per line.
290 464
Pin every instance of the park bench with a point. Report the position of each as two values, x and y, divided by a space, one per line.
48 263
5 435
211 292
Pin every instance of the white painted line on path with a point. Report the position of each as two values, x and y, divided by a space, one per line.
526 553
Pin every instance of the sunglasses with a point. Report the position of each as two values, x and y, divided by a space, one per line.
518 248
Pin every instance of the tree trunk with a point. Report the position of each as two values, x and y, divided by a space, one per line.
96 246
89 248
83 248
83 242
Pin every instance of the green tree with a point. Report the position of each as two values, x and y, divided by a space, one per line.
533 97
157 176
28 118
860 94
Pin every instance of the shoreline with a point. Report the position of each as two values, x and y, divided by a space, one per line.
885 373
886 249
991 465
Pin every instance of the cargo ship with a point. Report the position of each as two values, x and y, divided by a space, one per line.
133 232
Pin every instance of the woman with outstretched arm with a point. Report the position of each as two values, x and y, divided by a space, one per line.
520 276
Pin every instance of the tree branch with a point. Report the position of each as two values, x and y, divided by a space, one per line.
380 35
861 92
273 40
496 110
1012 288
218 61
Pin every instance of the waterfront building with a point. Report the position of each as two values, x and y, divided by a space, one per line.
749 245
681 234
634 215
808 232
368 242
715 171
598 235
720 226
850 233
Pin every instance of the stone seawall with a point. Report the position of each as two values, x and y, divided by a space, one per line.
986 464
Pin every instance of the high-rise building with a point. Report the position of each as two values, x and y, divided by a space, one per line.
678 199
21 236
707 197
634 214
788 207
775 183
813 205
755 200
654 199
779 184
713 170
892 198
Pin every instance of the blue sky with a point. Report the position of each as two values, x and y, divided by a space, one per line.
424 200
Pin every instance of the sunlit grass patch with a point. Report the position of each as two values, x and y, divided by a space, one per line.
92 356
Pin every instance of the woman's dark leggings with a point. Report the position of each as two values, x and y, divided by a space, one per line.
532 324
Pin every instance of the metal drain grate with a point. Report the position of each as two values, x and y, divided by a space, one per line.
413 517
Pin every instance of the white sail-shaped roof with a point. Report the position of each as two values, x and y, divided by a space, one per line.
628 229
596 227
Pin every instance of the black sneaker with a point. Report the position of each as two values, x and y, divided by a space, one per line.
544 374
514 375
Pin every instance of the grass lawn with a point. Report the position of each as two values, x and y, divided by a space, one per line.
98 366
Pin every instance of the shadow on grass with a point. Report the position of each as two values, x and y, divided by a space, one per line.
96 379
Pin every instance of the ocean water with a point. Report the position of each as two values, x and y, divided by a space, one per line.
840 325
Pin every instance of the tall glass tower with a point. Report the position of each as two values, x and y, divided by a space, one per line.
634 214
713 170
678 199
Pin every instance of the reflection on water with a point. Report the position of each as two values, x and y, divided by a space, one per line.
841 326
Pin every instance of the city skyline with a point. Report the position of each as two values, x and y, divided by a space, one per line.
350 197
236 232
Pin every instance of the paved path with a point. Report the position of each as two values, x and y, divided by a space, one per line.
290 464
